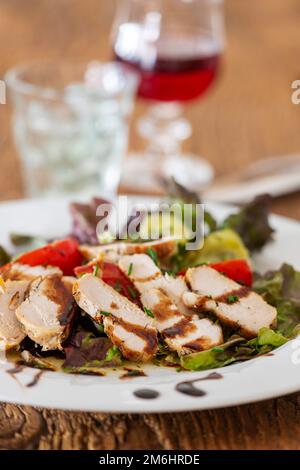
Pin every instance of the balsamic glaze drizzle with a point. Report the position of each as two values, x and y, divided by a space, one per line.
188 388
18 368
35 379
146 393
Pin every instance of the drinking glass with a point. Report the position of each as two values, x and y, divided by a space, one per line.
70 123
175 47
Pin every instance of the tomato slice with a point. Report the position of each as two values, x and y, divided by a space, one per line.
63 254
238 270
114 277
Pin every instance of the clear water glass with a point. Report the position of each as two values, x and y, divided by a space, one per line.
70 125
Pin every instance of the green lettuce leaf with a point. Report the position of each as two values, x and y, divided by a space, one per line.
220 245
236 349
212 358
282 290
180 194
252 223
268 337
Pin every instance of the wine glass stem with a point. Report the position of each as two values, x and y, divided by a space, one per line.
164 128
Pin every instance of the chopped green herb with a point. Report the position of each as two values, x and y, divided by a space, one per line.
171 273
117 286
148 312
132 292
231 299
218 349
153 255
96 270
102 312
130 269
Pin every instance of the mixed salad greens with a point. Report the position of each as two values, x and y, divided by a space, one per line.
227 247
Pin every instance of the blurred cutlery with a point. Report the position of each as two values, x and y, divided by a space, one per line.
276 176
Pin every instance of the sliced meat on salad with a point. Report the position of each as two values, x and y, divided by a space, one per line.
145 274
12 294
15 282
24 272
146 301
48 311
181 333
128 326
233 304
163 248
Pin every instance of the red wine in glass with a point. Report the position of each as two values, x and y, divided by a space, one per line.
178 68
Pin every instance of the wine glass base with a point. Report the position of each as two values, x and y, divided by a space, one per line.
141 175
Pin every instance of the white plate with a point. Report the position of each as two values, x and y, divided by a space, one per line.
258 379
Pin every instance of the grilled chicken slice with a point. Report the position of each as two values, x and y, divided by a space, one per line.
17 278
11 296
232 303
181 333
125 323
48 311
23 272
145 274
175 287
142 271
164 248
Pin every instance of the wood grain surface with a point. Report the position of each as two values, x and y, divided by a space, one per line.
247 116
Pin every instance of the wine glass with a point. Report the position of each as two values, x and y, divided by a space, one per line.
175 47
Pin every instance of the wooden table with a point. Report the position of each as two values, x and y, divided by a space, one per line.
249 115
